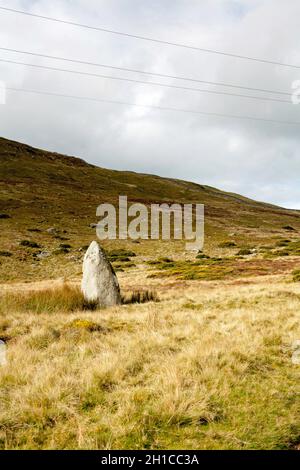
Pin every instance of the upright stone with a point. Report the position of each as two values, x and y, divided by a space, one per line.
99 282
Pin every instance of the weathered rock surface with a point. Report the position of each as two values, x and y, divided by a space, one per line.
99 282
43 255
52 231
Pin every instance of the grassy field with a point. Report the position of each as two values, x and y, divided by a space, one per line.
200 354
209 366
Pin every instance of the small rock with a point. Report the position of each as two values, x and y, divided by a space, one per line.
43 255
52 231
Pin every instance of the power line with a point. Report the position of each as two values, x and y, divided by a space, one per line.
159 108
154 74
141 82
154 40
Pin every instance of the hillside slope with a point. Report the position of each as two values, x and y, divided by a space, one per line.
40 190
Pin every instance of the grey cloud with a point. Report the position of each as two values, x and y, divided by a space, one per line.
256 159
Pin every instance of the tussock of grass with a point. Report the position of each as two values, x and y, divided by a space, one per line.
282 253
140 297
5 254
121 259
202 256
296 275
227 244
244 252
153 262
294 246
283 243
29 244
65 246
63 299
264 248
164 261
122 266
120 256
192 306
121 252
61 251
43 339
84 325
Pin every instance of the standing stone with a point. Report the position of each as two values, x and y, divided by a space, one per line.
99 282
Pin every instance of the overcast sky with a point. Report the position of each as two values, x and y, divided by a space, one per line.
257 159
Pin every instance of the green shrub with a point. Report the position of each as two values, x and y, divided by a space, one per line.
29 244
296 275
244 252
61 251
153 262
123 266
205 269
227 244
120 253
121 259
120 256
6 254
265 247
282 243
161 263
281 253
202 256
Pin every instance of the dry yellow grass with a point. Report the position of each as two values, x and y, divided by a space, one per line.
208 367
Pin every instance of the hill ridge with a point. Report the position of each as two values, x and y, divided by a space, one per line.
14 149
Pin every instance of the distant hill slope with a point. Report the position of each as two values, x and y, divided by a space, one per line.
39 189
37 180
